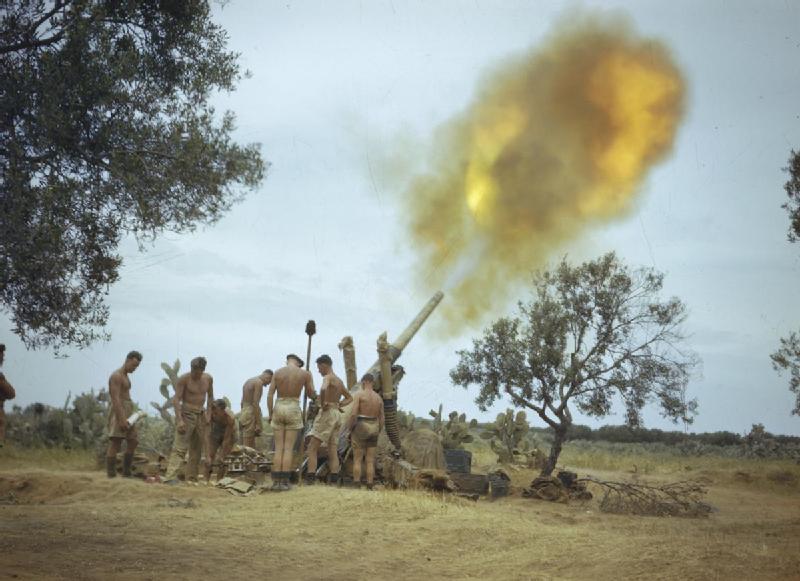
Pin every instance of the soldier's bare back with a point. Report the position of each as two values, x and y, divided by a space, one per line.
290 380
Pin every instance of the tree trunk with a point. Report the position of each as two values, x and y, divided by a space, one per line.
555 450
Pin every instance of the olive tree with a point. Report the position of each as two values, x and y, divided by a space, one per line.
787 357
106 130
590 334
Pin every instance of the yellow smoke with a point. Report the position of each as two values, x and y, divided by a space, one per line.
556 141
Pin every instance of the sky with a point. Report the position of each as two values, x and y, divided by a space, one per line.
338 92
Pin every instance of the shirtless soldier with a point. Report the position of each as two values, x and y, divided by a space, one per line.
191 392
220 438
366 422
250 418
119 389
329 421
286 418
6 392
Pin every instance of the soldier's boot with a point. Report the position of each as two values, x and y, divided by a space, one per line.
309 479
127 463
276 481
333 478
370 486
286 481
111 467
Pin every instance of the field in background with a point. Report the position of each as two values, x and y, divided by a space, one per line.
59 519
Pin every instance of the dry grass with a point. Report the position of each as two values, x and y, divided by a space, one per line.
78 524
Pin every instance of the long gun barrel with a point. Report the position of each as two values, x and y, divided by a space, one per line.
391 352
404 338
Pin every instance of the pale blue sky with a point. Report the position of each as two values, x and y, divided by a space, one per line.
337 88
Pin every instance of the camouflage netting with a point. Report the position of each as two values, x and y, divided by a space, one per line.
423 449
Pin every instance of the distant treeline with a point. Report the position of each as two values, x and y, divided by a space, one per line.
625 434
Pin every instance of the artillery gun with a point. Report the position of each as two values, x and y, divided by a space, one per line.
387 374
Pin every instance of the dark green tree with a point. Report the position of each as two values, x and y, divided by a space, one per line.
106 130
591 333
787 358
792 188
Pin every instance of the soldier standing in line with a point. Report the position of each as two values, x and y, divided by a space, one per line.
285 416
6 392
250 418
121 408
191 393
328 424
366 423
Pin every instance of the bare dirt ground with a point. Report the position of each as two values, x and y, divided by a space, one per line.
76 524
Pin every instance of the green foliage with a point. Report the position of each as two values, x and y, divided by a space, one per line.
507 435
107 132
171 379
592 333
792 188
83 425
787 358
406 421
454 433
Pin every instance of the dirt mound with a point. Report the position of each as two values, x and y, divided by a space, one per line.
41 488
423 449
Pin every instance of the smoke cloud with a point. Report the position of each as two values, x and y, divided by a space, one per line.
557 140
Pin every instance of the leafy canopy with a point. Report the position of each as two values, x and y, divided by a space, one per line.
105 130
590 333
792 188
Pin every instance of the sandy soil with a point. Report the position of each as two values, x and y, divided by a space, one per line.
80 525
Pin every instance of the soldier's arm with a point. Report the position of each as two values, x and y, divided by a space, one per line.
348 397
209 397
326 384
309 386
258 391
227 439
6 390
114 391
270 395
380 415
354 412
177 403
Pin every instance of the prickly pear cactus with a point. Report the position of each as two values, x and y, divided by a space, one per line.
507 435
170 380
454 433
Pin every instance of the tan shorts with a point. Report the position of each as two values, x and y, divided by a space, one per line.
327 424
287 414
247 420
114 430
365 433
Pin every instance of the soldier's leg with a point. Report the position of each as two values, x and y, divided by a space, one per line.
289 440
313 450
114 445
179 448
279 435
333 454
195 449
371 452
2 428
210 458
222 469
127 459
358 454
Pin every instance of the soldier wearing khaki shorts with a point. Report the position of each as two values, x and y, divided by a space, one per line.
285 415
327 425
250 418
191 393
366 423
6 392
119 389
